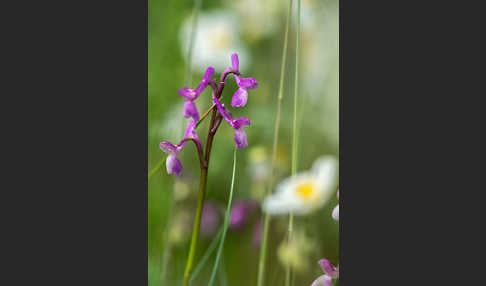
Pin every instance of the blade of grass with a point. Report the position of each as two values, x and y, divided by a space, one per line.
226 223
206 255
266 217
288 272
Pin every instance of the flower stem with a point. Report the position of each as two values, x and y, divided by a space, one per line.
225 224
197 222
266 217
288 272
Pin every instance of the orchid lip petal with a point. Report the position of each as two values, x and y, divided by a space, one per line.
239 98
240 139
173 165
190 110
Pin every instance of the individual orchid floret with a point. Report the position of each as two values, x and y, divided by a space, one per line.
236 123
173 164
190 110
305 192
240 97
330 272
335 211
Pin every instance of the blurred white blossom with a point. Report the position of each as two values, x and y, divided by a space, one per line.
217 37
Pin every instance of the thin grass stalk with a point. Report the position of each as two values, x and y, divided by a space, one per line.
266 217
288 273
226 223
206 255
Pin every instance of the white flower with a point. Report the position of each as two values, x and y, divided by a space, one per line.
217 37
305 192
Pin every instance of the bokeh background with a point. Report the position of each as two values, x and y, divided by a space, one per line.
255 30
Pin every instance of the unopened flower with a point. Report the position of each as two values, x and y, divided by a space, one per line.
304 192
236 123
240 213
335 211
240 97
190 110
172 163
330 272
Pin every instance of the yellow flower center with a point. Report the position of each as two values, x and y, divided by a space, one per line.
306 189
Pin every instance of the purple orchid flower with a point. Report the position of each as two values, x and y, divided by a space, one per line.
190 110
173 163
240 212
335 211
240 97
236 123
330 272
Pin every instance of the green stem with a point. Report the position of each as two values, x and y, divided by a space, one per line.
266 217
288 273
226 223
197 223
206 255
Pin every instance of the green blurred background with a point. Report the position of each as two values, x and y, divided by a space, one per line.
255 30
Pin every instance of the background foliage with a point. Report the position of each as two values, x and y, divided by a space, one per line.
256 33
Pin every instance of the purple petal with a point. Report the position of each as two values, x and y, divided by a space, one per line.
328 268
335 213
208 74
168 147
205 80
190 110
247 83
189 94
173 165
239 122
239 98
235 63
240 139
323 280
222 110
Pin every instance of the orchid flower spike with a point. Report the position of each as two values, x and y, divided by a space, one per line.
190 109
240 97
236 123
330 272
173 164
